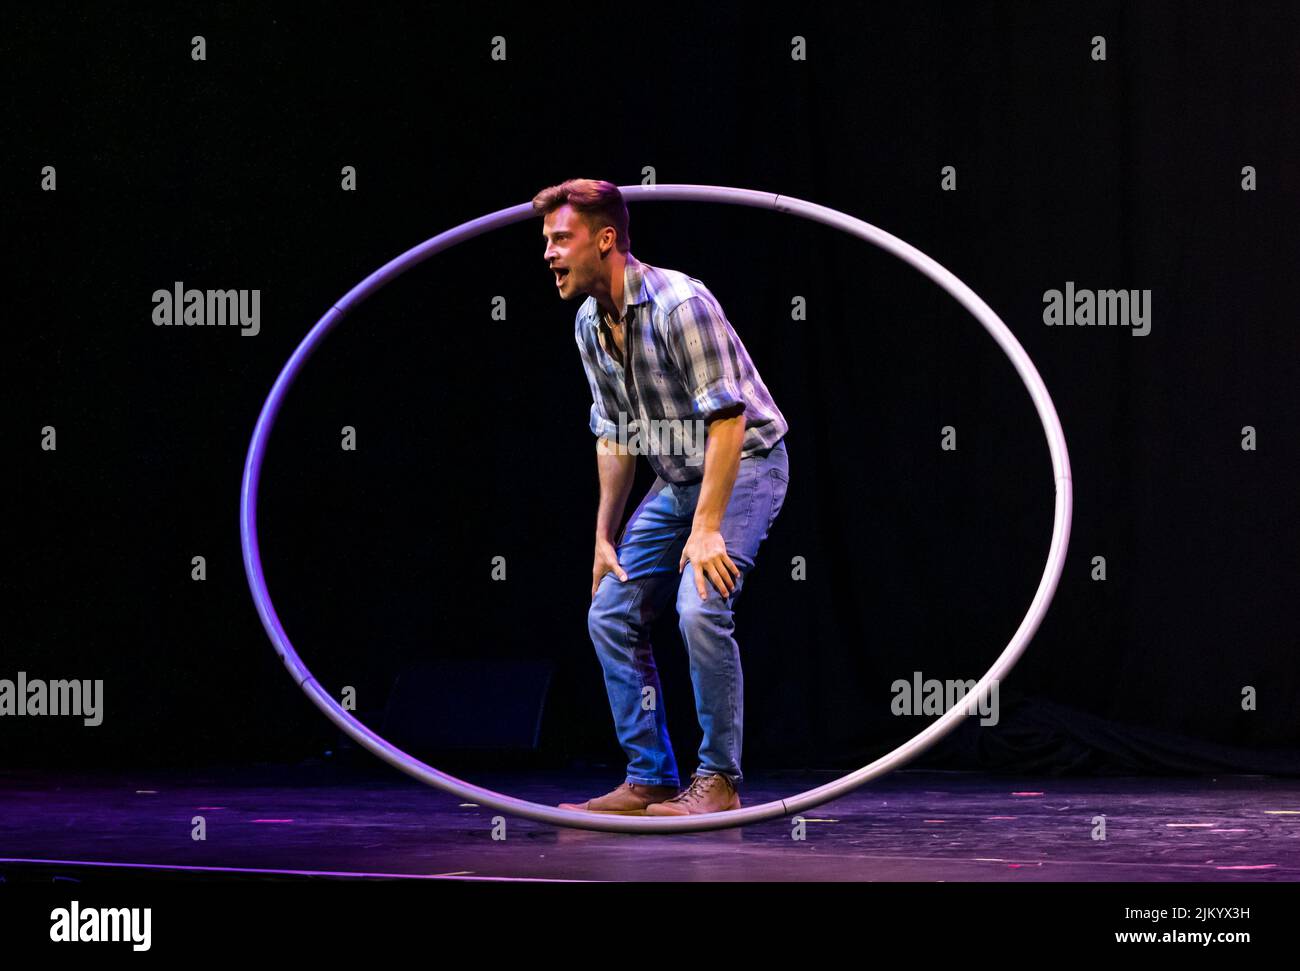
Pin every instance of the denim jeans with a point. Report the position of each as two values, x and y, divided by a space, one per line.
622 611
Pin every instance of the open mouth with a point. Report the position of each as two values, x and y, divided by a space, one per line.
561 274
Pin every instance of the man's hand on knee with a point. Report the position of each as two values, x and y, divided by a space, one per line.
707 552
606 561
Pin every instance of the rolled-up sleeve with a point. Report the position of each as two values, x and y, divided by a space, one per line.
703 347
602 398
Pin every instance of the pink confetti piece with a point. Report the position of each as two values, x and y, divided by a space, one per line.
1258 866
1026 793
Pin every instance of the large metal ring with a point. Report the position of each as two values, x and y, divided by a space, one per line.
660 824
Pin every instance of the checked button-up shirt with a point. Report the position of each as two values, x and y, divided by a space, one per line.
684 367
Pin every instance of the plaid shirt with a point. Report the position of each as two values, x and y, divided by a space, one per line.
687 365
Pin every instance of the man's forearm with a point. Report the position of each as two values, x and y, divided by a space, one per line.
616 467
721 464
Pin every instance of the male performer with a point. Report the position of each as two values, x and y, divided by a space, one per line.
667 371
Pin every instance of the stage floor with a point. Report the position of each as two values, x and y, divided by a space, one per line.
320 822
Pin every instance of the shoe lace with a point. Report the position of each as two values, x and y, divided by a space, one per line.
698 784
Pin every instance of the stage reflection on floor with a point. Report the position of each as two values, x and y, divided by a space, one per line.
318 822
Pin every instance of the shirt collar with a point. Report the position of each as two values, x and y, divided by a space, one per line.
634 289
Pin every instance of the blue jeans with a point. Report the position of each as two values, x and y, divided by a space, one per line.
622 611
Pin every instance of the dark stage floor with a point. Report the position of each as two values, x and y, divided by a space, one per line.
322 822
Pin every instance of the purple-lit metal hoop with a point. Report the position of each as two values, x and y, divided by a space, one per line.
660 824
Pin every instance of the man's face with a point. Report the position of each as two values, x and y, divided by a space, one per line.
571 252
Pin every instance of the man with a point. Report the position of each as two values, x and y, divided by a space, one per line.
660 356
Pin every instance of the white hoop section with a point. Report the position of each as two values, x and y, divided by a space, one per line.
659 824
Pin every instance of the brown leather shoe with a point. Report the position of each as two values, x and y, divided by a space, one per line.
705 794
629 799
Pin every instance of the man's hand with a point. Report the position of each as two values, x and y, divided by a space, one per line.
707 552
606 562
